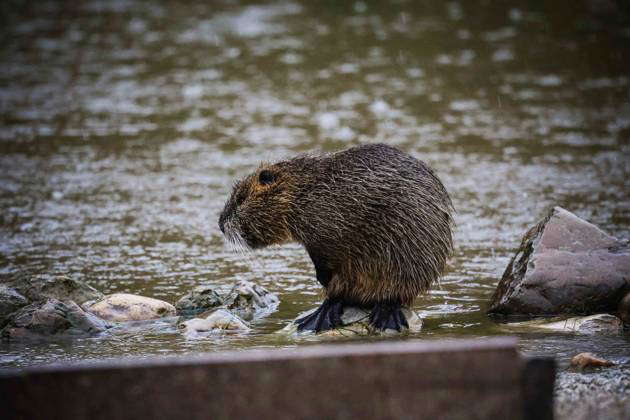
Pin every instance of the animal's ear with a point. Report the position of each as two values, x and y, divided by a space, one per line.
266 177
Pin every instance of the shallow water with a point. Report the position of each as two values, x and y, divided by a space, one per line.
124 125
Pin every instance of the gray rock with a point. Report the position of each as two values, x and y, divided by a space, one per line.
604 394
44 286
122 307
249 300
198 300
623 310
593 324
355 322
166 325
217 321
564 265
10 301
52 318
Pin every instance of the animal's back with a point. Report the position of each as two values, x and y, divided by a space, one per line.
381 220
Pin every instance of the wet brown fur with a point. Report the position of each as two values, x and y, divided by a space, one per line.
377 220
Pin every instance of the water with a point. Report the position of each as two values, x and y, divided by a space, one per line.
124 125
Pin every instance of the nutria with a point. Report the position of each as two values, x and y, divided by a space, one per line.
375 221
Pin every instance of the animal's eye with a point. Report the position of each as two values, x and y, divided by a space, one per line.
266 177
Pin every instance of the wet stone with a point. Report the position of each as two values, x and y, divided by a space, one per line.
564 265
46 286
355 322
52 318
624 309
593 324
200 299
249 300
603 394
10 301
218 321
586 360
122 307
166 325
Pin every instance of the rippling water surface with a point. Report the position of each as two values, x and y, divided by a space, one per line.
124 125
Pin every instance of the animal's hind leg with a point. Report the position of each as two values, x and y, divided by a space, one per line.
388 316
326 317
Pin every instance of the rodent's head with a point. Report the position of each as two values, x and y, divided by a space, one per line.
256 215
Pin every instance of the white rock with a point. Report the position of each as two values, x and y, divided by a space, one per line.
121 307
220 320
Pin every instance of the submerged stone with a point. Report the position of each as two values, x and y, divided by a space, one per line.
564 265
44 286
593 324
220 320
52 318
10 301
249 300
199 299
166 325
355 322
122 307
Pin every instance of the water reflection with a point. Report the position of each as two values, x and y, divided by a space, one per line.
124 125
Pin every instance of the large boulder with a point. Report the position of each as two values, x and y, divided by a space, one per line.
564 265
249 300
355 322
122 307
200 299
44 286
10 301
52 318
217 321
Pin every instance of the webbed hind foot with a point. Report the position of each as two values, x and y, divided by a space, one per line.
388 316
326 317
